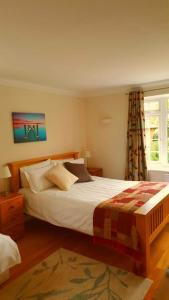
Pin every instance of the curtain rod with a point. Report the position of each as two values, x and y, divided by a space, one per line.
164 88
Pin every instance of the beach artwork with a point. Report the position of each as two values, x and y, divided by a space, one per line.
28 127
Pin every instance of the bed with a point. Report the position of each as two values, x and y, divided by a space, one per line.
74 208
9 256
77 213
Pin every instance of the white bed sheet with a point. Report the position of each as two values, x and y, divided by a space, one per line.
9 253
74 208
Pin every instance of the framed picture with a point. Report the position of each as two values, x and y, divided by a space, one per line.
28 127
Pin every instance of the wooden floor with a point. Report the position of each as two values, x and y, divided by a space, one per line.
41 239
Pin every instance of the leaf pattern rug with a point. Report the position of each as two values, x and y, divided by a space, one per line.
66 275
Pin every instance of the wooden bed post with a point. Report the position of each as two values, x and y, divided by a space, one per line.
150 221
143 233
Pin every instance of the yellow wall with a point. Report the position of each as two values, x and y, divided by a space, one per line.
107 142
65 123
71 124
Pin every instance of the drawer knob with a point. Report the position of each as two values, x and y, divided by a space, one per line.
12 207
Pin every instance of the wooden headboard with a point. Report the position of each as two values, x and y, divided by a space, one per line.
16 165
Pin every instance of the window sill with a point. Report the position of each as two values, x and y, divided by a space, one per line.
158 167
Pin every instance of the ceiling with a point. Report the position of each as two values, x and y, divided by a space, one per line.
84 45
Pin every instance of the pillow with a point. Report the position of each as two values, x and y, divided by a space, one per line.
78 170
75 161
24 181
78 161
37 179
61 177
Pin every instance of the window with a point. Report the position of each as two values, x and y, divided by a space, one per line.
157 128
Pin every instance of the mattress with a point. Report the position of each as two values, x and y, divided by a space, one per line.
9 253
74 208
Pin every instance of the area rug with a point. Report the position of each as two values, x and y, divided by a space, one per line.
66 275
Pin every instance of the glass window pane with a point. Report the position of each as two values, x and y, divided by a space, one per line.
152 137
154 145
151 105
154 156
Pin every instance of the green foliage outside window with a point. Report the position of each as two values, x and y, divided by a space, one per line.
154 156
157 128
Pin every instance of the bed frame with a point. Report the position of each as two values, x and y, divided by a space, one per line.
150 218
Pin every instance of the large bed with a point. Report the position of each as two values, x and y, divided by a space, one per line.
74 209
9 256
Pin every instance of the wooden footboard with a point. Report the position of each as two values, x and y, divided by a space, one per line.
150 220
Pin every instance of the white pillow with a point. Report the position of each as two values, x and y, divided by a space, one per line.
24 181
71 160
37 179
61 177
78 161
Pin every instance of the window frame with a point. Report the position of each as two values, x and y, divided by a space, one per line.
163 114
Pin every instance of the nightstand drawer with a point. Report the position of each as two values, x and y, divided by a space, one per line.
11 215
11 211
11 218
9 207
15 232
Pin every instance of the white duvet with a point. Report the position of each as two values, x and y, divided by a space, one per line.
74 208
9 253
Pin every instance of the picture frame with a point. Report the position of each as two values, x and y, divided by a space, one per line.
28 127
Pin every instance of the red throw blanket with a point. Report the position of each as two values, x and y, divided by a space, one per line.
114 221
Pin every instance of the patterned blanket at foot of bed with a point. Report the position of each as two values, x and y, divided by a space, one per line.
114 222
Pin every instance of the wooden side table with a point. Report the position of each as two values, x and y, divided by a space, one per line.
95 171
12 215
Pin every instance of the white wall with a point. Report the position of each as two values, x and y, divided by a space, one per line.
65 123
108 142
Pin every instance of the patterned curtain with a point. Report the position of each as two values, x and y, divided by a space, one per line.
136 168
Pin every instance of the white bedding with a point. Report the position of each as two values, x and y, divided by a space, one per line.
9 253
74 208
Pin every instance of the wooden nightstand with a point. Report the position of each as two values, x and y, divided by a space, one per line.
11 215
95 171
